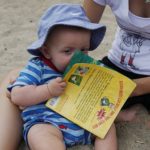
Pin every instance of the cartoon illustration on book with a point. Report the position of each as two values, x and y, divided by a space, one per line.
81 70
75 79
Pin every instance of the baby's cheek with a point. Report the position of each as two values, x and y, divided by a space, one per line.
64 63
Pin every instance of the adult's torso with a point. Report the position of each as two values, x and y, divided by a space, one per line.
131 47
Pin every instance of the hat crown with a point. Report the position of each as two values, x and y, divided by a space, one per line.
60 13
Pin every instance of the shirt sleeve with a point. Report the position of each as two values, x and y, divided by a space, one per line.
110 3
30 75
101 2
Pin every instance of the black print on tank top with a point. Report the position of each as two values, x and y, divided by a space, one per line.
130 45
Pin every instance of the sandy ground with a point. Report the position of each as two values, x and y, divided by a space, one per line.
18 29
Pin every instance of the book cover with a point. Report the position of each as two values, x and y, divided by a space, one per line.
94 94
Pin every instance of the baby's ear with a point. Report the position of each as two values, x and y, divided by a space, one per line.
45 51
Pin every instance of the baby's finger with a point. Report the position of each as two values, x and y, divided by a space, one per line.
63 84
59 79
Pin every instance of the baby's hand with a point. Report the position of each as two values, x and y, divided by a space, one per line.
56 87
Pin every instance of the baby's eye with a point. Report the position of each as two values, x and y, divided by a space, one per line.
68 50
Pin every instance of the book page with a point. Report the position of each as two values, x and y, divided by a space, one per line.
93 97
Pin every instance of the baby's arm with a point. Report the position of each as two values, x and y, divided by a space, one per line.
32 94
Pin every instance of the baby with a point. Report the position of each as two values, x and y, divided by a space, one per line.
63 28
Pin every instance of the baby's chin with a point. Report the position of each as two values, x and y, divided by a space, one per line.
62 70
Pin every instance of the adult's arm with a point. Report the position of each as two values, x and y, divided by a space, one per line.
10 119
143 86
93 10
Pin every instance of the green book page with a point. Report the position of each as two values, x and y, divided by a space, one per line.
80 57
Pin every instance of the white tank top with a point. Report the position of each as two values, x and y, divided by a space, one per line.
131 47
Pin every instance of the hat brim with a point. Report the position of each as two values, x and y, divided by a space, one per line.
98 32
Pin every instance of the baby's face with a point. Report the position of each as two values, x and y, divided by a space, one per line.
63 42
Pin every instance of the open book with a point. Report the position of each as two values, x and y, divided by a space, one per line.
94 94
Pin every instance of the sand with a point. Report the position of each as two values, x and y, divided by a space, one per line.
18 26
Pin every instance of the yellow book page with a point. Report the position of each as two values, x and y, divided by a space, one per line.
93 97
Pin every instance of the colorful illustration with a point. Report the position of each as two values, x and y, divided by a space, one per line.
101 114
106 108
105 101
75 79
81 70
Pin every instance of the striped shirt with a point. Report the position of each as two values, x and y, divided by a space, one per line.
38 72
